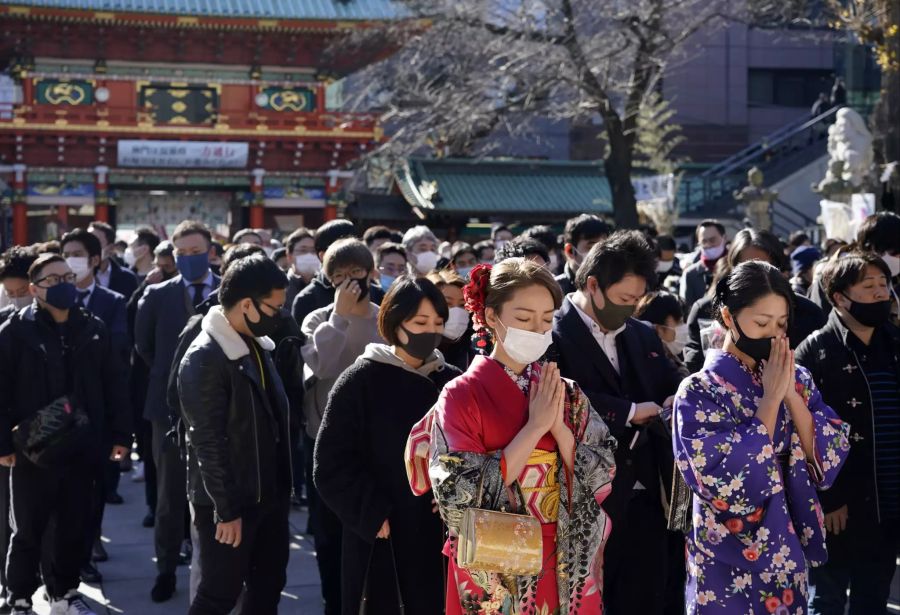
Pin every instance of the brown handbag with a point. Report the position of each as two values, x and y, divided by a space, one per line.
499 541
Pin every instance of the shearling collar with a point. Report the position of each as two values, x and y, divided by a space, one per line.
233 345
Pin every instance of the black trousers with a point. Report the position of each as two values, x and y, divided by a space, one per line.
5 529
39 495
171 504
635 560
260 561
327 536
862 558
99 485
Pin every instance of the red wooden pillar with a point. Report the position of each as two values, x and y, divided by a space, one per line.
258 202
19 206
332 188
101 194
62 215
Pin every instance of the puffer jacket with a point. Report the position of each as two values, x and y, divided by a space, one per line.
837 372
223 404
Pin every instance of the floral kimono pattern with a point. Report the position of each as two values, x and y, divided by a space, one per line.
477 415
758 524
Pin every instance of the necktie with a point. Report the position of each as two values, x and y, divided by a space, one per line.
82 297
198 292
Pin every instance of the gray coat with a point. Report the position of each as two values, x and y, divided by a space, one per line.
695 282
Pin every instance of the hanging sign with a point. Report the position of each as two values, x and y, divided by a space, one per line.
183 154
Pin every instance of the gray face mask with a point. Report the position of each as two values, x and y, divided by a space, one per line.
611 315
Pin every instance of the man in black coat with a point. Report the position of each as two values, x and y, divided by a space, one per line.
162 314
49 350
855 363
239 456
111 274
622 367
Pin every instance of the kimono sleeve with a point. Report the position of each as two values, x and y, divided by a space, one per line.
594 465
831 443
729 463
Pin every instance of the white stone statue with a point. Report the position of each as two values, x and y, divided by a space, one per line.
850 142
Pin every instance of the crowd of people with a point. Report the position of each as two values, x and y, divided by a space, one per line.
667 429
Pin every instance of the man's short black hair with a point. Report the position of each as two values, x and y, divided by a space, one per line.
191 227
146 236
37 267
331 231
218 248
374 233
389 247
254 277
279 253
710 223
544 234
665 242
108 231
88 240
880 233
845 270
239 251
15 262
522 247
499 228
239 236
622 253
658 306
402 303
296 237
585 226
165 248
797 239
481 246
461 249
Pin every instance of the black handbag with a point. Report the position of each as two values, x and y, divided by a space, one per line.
53 435
364 601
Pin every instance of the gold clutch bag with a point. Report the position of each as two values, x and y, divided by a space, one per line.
500 542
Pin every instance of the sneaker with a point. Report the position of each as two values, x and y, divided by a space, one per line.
22 607
137 476
72 604
149 519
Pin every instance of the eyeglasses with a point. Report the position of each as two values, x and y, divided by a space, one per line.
356 273
393 269
54 279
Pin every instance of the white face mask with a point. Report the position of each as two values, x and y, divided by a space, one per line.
554 262
307 264
682 337
130 258
664 266
426 261
714 252
464 272
456 324
79 266
525 347
21 302
893 263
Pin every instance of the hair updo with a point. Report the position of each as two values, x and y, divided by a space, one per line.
492 286
746 284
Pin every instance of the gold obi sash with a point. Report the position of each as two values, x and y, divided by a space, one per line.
539 485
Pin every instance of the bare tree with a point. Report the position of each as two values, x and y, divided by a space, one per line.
468 70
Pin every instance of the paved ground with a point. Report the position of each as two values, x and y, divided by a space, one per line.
130 571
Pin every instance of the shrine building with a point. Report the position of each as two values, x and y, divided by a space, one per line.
150 112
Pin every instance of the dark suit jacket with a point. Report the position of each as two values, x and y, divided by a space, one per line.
110 307
121 280
162 314
652 377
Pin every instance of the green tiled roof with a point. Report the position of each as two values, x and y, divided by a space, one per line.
510 186
270 9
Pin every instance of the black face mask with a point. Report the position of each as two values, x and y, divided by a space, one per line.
757 348
363 288
266 325
420 345
870 314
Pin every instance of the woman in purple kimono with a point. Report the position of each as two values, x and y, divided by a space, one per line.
754 441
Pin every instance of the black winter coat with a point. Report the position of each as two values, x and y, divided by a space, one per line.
808 318
837 372
360 474
222 403
33 373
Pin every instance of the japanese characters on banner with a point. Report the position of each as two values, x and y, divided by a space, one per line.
183 154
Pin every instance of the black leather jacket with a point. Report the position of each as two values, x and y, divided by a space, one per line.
223 404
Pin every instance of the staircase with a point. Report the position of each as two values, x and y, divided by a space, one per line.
778 155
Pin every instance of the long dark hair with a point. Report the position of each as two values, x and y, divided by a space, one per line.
749 282
749 238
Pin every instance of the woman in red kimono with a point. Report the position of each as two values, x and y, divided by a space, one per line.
512 422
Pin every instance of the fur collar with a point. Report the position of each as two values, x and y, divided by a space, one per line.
233 345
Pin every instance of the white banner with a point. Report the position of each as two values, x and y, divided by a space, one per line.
183 154
651 187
